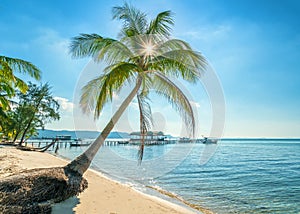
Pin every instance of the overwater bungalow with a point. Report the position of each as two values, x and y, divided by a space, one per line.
151 138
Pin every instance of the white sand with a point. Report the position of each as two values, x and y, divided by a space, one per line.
103 195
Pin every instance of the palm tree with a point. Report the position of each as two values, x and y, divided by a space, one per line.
9 83
144 55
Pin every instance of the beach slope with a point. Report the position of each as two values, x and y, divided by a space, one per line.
103 195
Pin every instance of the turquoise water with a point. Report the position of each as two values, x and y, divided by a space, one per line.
260 176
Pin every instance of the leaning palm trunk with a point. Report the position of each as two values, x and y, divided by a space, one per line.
82 162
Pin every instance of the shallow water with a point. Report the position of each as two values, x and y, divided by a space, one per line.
260 176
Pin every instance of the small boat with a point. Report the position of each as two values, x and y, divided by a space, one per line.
207 140
79 142
123 142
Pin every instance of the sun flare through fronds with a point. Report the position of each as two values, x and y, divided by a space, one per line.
148 48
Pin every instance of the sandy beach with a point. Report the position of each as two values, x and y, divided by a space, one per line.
102 196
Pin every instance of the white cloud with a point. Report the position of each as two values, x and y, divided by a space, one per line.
65 104
195 104
51 40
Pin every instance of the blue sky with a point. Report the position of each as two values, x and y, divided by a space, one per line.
253 47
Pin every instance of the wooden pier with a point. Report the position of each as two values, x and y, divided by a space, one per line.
41 143
38 143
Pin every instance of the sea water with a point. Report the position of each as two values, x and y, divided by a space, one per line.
241 176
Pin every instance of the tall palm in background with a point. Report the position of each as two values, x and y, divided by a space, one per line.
145 56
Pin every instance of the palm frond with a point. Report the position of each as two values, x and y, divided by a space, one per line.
134 21
110 50
175 58
3 114
6 72
146 122
114 52
4 103
7 91
146 84
22 66
96 93
163 86
188 57
174 68
21 85
181 51
161 24
6 88
86 45
174 44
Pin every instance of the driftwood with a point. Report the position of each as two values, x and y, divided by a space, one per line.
45 148
35 190
25 148
34 149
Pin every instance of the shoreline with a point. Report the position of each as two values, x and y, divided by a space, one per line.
181 208
161 194
104 195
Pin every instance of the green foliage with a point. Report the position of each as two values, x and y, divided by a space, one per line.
161 24
134 21
9 83
22 66
34 109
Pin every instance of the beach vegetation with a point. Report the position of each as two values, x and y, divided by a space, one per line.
10 84
33 110
30 112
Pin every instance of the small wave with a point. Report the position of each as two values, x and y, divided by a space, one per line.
175 196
